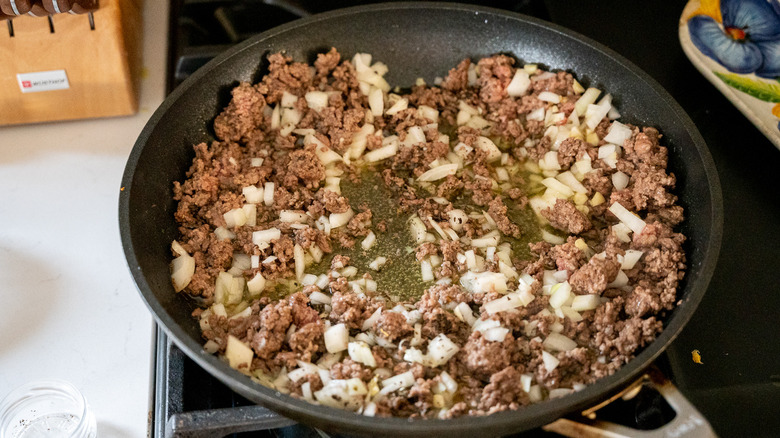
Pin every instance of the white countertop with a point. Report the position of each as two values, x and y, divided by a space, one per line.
70 308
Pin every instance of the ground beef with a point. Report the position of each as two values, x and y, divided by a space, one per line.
392 326
285 323
565 216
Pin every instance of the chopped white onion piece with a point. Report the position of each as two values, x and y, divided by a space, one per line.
403 380
632 221
549 96
485 241
536 115
557 342
340 219
318 297
552 238
620 180
268 194
486 145
439 172
496 334
560 294
238 354
588 97
256 162
256 284
414 355
619 281
292 216
360 352
519 83
252 194
235 218
336 338
571 181
484 282
182 270
325 154
582 303
377 263
618 133
342 394
382 153
223 233
369 241
440 350
398 106
426 270
631 258
464 313
558 186
265 236
316 100
550 362
376 102
525 381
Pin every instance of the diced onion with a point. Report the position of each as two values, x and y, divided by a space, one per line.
618 133
399 105
440 350
382 153
582 303
235 218
238 354
558 342
519 83
291 216
318 297
403 380
550 362
256 284
340 219
588 97
484 282
464 313
376 102
496 334
560 294
182 270
559 392
631 258
336 338
439 172
630 219
252 194
558 186
486 145
571 181
268 194
377 263
369 241
316 100
426 270
266 236
620 180
619 281
549 96
360 352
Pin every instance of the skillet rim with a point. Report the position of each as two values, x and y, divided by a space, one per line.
502 422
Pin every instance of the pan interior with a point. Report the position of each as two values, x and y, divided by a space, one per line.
414 40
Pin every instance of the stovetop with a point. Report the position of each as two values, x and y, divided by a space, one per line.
737 388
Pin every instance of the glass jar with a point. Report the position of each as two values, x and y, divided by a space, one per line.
47 408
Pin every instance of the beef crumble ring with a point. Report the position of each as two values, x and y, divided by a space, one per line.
264 200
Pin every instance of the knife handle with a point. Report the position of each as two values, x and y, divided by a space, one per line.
37 10
84 6
15 7
57 6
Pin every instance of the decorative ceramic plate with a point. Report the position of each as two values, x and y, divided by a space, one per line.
735 44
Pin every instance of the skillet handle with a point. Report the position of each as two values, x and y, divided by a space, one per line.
217 423
688 422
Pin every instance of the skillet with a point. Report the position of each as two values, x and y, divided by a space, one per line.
414 40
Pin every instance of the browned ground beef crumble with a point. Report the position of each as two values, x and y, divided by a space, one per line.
282 332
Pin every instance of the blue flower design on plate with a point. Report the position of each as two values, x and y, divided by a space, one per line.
748 39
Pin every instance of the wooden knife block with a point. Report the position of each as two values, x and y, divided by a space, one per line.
103 66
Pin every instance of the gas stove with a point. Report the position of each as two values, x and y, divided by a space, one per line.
737 388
